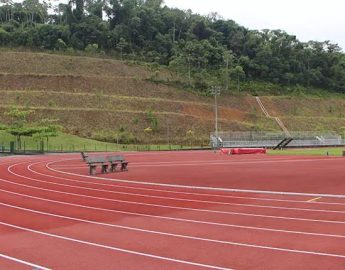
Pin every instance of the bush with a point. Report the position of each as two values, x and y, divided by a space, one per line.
122 137
60 45
152 119
127 138
4 37
91 49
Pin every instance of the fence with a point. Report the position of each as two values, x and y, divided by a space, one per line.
272 139
40 147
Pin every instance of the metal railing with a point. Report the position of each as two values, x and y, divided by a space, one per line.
272 139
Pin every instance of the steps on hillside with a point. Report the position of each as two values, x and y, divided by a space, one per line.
283 143
277 119
262 107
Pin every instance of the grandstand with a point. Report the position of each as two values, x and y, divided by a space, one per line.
275 139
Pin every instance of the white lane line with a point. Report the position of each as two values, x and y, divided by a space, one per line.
178 208
174 192
227 161
176 199
174 219
212 163
172 259
201 187
315 199
121 249
38 267
189 237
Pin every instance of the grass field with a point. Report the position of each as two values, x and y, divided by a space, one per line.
71 143
66 142
334 151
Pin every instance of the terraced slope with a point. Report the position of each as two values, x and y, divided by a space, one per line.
91 96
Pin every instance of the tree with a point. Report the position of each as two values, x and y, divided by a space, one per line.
228 59
36 12
46 129
19 126
121 46
239 74
95 7
6 8
207 47
78 12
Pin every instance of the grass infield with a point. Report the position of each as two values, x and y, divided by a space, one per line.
330 151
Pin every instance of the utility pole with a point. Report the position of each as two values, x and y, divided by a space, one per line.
215 90
168 131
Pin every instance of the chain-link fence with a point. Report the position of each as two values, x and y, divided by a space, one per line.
41 147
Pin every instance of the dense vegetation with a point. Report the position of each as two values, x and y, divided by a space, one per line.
205 49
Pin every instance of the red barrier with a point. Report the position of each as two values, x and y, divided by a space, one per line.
243 151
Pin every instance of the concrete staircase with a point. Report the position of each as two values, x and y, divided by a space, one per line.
278 121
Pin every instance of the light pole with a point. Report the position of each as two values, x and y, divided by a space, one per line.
215 90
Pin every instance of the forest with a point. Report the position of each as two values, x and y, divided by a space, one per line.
205 49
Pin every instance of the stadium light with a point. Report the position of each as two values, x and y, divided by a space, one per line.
215 90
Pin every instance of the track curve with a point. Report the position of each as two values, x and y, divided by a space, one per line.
55 216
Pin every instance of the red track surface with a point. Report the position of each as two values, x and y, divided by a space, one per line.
54 216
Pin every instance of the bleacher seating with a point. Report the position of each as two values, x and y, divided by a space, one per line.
270 139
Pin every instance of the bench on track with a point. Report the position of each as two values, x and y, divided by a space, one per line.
115 160
92 162
84 156
105 162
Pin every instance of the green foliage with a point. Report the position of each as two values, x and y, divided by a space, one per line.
309 152
152 119
204 50
122 137
3 127
60 45
91 49
51 103
18 116
4 37
135 121
19 126
46 129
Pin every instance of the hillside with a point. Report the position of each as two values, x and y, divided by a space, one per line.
97 98
210 49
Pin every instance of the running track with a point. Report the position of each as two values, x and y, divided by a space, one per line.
173 210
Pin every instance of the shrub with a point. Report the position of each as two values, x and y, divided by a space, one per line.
60 45
91 49
153 120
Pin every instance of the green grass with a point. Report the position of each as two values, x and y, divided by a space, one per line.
334 151
63 142
70 143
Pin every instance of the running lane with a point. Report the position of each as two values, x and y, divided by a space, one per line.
49 215
258 172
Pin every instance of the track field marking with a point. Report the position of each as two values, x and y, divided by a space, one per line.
171 259
211 163
38 267
173 199
121 249
134 228
172 218
180 208
315 199
171 191
180 162
201 187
